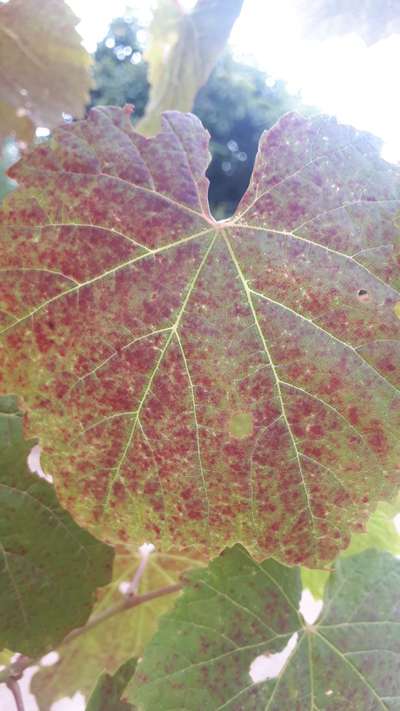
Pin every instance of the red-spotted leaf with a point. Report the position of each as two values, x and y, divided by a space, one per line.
200 382
236 641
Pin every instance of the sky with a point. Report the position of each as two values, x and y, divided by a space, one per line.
341 76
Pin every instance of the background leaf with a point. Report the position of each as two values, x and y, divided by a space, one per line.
110 644
108 691
261 354
182 52
372 19
49 567
45 69
237 611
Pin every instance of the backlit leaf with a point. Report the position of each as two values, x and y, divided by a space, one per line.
107 694
49 567
222 647
199 382
182 52
110 644
373 20
45 69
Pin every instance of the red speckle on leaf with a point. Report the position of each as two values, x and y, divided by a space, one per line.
206 380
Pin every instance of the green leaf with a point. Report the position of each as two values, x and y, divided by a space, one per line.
45 69
49 567
182 52
107 646
107 694
238 611
195 382
381 534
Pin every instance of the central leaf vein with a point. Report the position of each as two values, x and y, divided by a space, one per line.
248 293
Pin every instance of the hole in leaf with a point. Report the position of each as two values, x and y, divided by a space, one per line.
67 703
34 465
268 666
50 659
362 295
309 607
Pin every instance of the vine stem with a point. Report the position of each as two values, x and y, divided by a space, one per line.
13 686
14 671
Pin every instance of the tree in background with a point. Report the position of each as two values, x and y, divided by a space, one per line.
236 105
120 73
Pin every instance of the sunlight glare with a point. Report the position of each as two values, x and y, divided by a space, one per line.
341 75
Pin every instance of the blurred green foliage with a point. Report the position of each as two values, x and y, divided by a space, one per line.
236 105
119 72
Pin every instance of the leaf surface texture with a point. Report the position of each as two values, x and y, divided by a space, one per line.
199 382
239 614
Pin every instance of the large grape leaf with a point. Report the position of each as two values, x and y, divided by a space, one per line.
44 68
106 696
117 639
372 19
238 611
199 382
49 567
182 51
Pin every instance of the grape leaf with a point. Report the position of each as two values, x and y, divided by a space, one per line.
107 694
238 611
381 534
50 568
196 382
107 646
45 69
182 51
372 19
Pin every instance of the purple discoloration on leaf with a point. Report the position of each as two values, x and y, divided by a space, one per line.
200 382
